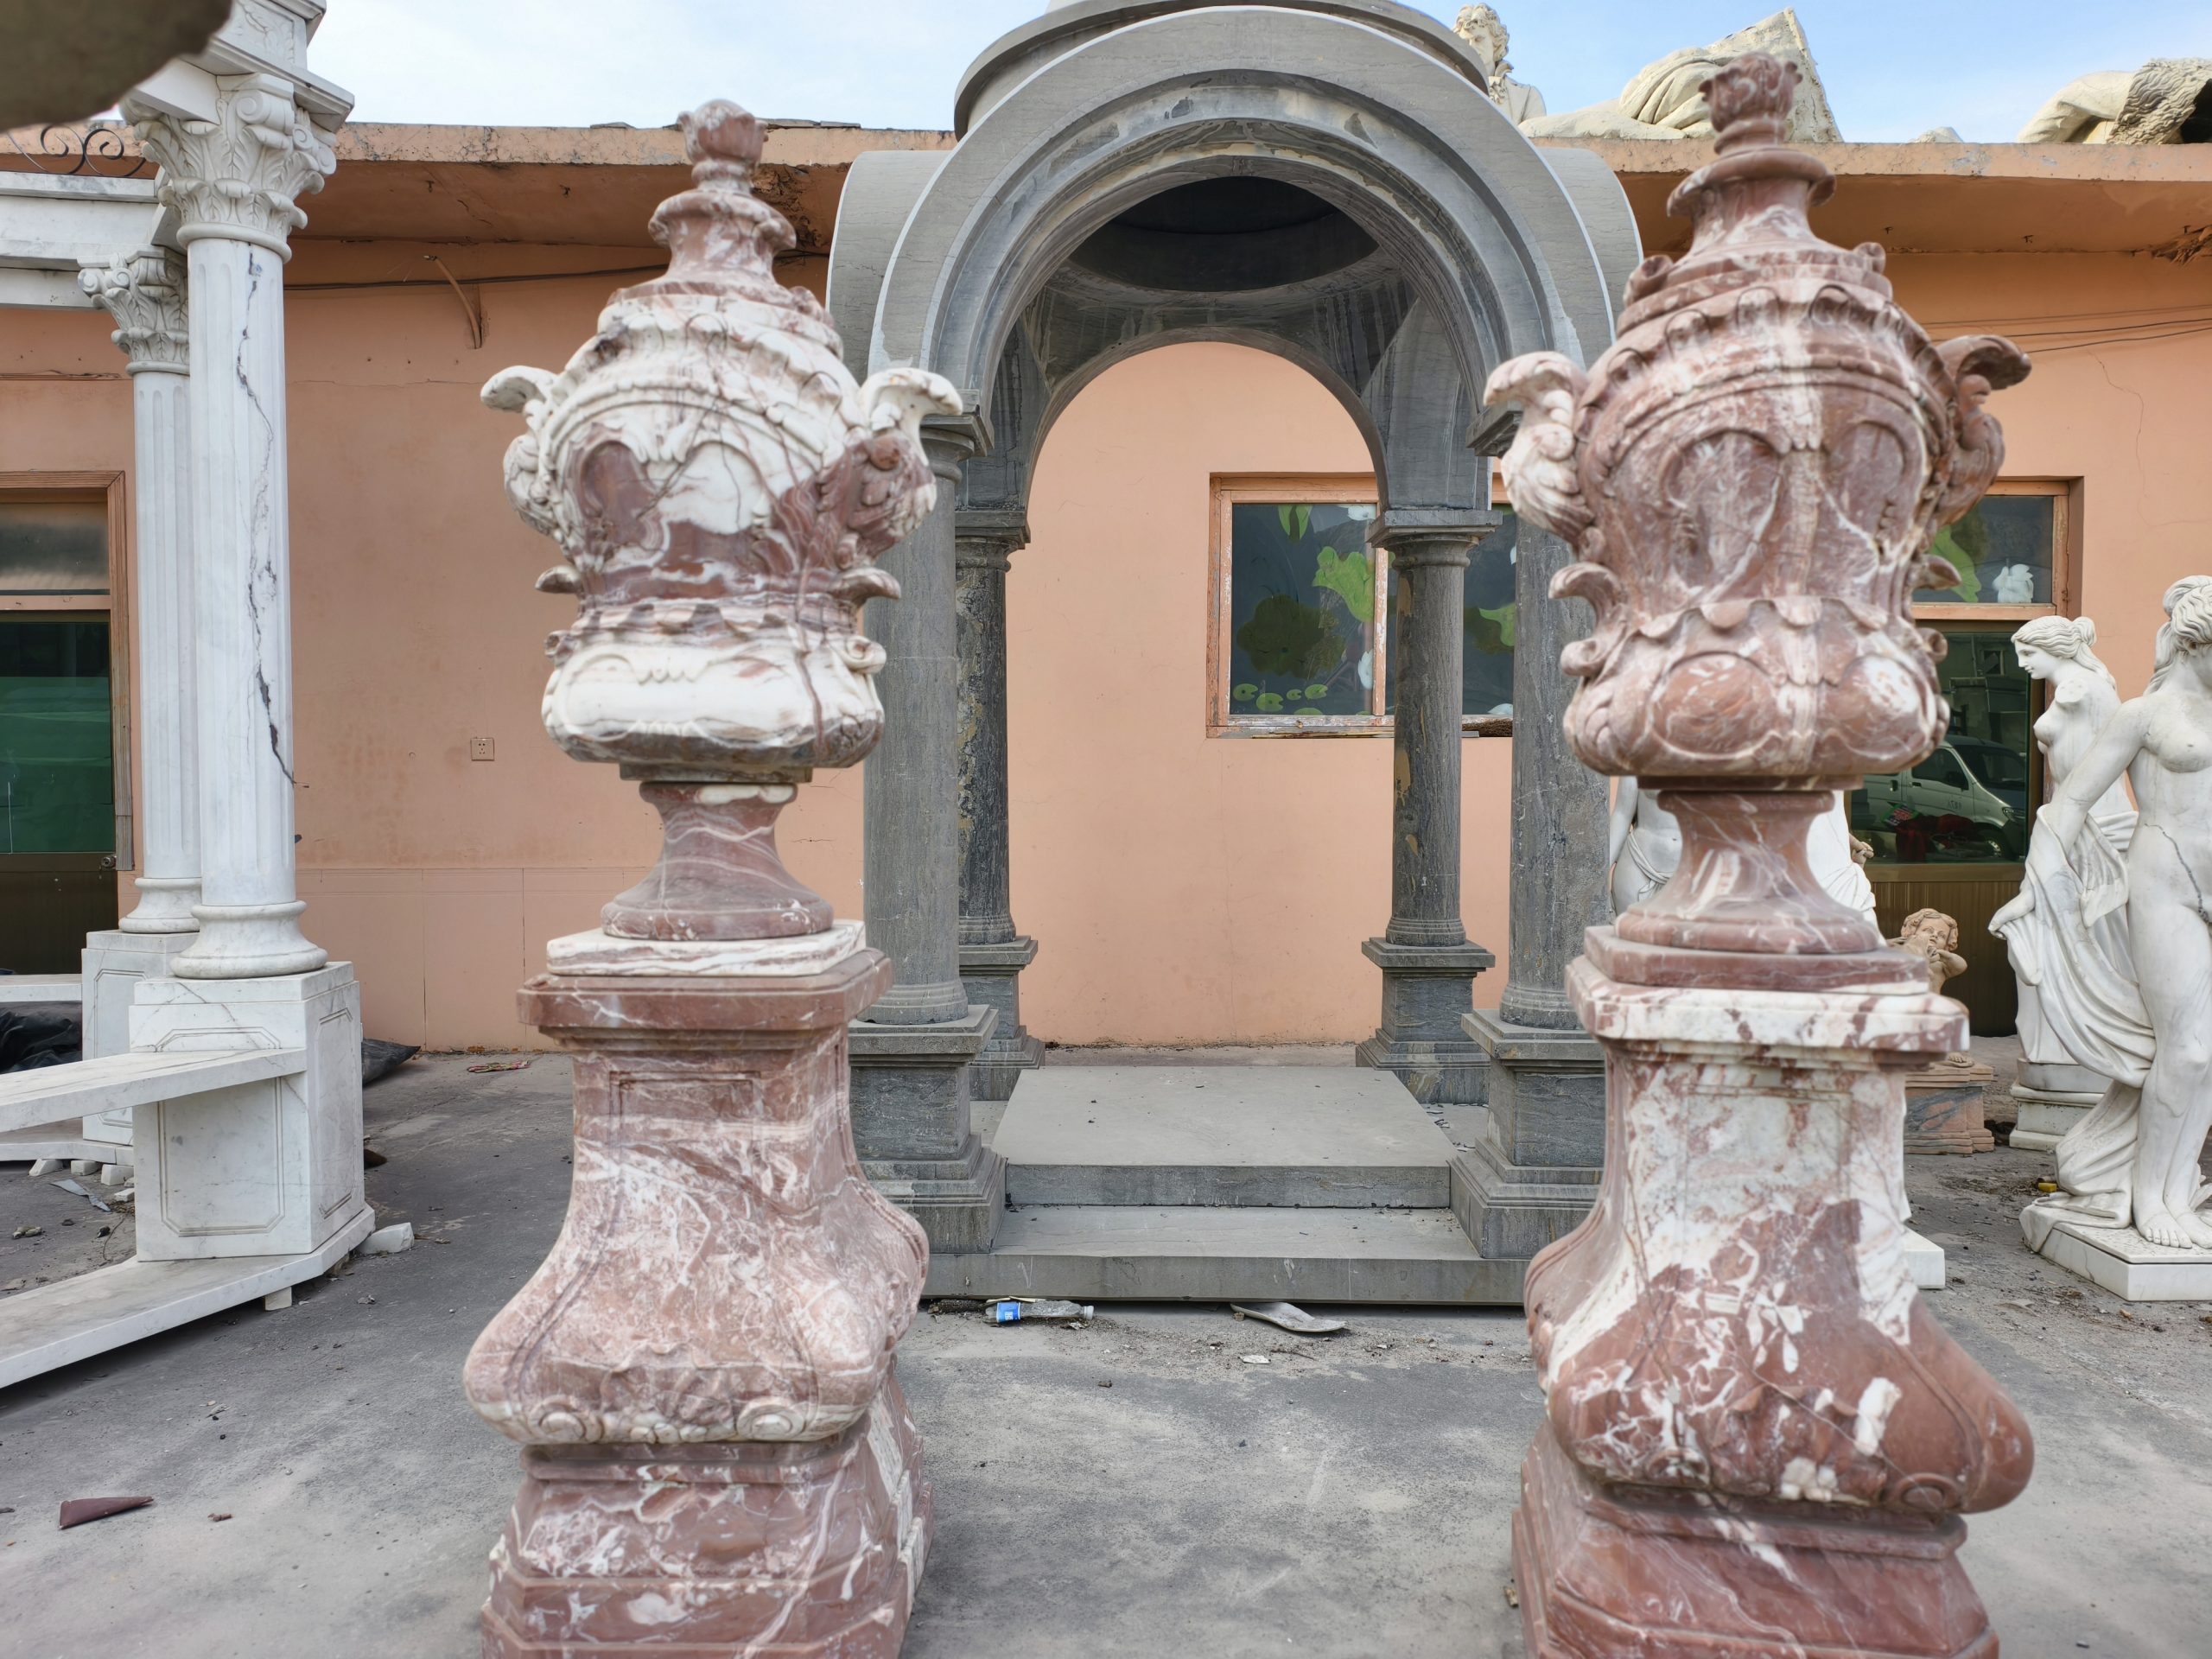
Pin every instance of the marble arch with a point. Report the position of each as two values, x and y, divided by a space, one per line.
1326 179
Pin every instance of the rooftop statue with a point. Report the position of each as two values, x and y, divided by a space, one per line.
1666 99
2167 101
1483 31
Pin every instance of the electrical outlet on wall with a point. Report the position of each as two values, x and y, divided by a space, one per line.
480 748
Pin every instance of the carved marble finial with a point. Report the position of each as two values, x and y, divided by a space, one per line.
1750 100
1752 477
720 489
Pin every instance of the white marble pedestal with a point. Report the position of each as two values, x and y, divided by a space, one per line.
116 964
2052 1099
2118 1259
265 1168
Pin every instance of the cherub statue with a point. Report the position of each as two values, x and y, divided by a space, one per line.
1934 937
2134 1158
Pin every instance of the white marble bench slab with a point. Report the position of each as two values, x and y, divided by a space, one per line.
49 1094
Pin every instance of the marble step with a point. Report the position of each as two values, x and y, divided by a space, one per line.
52 1326
50 1093
1187 1253
1332 1137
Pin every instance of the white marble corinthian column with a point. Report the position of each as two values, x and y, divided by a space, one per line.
146 296
232 182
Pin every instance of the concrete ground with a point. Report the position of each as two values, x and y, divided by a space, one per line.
1351 1497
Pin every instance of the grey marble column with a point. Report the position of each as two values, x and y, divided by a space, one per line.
991 952
1533 1169
1428 967
914 1053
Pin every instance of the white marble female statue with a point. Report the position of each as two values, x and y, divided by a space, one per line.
2077 1001
2134 1160
1647 846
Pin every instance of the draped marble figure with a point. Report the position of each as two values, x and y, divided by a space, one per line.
2077 980
2134 1160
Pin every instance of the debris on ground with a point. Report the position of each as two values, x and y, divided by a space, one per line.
1256 1360
380 1059
219 1515
77 1511
370 1158
1512 1593
27 1230
46 1166
1287 1316
500 1065
72 1188
128 1195
1035 1310
387 1241
957 1305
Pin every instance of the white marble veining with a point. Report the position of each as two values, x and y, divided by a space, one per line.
796 955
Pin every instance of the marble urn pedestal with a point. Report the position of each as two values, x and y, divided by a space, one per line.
713 1328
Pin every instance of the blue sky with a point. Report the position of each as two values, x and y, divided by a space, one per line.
1893 69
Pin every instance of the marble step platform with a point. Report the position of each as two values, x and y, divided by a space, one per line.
58 1324
1332 1137
1216 1183
1105 1253
16 989
49 1094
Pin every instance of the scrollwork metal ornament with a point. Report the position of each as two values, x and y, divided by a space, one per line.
1751 479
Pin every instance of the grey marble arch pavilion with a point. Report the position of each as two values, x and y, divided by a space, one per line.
1325 180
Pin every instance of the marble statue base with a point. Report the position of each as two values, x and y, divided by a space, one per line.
1943 1107
1688 1577
115 964
1752 1423
807 1549
2118 1259
717 1461
992 975
2049 1107
267 1167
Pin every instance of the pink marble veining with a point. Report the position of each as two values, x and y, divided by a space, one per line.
1756 1439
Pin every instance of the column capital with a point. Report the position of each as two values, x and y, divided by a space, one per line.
145 295
951 442
987 538
238 175
1414 536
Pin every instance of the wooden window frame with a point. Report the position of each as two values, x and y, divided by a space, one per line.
111 489
2065 560
1231 490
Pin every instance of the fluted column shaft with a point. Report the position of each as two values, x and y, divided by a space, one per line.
146 296
232 183
911 793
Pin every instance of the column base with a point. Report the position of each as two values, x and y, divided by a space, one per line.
250 942
116 962
1690 1576
1427 991
910 1093
992 975
806 1549
1533 1173
271 1168
165 905
1943 1107
2052 1099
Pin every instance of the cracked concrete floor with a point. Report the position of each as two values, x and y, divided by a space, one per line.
1351 1497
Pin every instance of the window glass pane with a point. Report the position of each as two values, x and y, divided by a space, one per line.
2004 551
1968 802
52 547
57 759
1486 657
1301 609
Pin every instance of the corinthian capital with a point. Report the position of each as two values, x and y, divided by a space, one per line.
145 295
237 176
